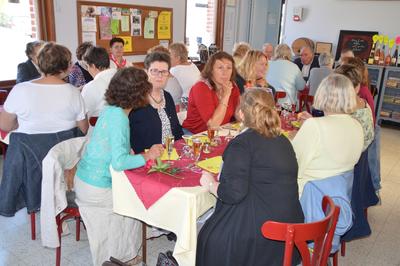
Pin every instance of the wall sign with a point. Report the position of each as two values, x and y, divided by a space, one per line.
358 41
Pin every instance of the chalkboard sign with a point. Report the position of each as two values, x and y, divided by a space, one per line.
360 42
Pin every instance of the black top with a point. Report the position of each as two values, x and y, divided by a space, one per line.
258 183
314 63
240 82
145 125
27 71
85 73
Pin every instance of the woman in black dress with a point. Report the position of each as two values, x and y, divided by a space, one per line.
258 183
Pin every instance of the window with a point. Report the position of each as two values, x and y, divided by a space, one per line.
18 25
203 24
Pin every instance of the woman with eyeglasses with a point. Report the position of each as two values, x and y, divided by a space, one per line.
158 120
213 100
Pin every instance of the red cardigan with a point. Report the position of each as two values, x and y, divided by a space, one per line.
365 94
203 101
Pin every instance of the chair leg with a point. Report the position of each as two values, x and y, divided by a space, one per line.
78 228
343 248
144 243
33 225
58 250
335 259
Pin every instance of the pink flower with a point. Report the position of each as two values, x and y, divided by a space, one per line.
149 164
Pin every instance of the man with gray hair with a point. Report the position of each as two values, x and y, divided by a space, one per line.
317 74
268 50
306 61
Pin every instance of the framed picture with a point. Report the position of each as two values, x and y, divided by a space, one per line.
323 47
358 41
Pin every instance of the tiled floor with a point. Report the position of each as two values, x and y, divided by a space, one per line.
381 248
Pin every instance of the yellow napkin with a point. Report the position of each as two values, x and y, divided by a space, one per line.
285 133
296 124
174 156
164 156
202 138
212 165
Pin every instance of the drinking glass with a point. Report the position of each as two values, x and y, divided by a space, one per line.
169 145
186 150
210 134
197 147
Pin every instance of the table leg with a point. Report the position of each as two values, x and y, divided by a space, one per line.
144 243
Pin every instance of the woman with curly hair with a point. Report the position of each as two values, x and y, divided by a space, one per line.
109 145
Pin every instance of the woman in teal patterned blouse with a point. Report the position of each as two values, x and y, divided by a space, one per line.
111 234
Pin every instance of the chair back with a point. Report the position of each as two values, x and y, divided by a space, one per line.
279 95
93 120
62 156
299 235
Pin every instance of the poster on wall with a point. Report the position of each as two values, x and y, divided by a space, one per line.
360 42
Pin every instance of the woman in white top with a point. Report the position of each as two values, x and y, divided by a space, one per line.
329 145
185 72
285 75
47 104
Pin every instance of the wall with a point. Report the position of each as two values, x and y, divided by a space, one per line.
67 25
323 19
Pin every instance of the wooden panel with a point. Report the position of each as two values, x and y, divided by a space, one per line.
140 45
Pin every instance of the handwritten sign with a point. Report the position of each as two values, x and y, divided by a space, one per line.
360 42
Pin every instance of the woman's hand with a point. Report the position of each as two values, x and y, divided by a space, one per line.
226 91
155 151
206 179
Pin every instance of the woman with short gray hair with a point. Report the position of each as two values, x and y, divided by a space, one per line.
317 74
284 75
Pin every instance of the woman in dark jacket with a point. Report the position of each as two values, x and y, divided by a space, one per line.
258 183
155 122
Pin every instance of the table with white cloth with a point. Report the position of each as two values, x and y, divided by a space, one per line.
177 211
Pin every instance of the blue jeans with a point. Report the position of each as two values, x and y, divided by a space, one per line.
374 159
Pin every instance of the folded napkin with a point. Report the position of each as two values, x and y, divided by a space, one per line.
174 156
212 165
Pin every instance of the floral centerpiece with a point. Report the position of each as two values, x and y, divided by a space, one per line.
157 165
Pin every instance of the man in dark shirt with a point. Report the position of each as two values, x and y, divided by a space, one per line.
306 61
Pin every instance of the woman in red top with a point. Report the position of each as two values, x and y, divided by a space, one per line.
213 99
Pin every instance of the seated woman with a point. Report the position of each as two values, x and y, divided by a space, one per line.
109 146
172 86
363 113
317 74
329 145
252 70
79 75
285 75
29 69
258 183
214 99
239 51
42 112
364 91
153 123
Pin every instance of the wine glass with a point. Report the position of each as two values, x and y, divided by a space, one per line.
186 150
169 145
210 134
197 147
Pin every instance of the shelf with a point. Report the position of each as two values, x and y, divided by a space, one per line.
390 119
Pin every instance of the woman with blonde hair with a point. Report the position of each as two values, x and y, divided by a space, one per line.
285 75
329 145
252 70
258 182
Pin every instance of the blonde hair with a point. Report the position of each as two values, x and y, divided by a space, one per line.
180 51
336 94
258 108
283 51
246 67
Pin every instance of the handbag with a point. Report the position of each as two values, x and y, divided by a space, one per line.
114 262
166 259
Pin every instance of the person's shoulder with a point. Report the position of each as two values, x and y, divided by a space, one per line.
297 61
168 97
200 86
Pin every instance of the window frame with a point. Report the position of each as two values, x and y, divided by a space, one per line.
219 29
47 31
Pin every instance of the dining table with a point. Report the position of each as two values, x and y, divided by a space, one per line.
173 203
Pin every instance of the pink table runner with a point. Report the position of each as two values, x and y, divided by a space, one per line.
152 187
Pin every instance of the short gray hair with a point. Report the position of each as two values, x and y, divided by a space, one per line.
283 51
325 59
336 94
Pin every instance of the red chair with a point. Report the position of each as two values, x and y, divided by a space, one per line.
299 235
93 120
279 95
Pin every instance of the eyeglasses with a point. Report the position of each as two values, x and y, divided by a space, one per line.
156 72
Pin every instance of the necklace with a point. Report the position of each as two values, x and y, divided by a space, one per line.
157 102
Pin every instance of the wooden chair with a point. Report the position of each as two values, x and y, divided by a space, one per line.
299 235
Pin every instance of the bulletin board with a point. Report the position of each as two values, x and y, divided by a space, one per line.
141 27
